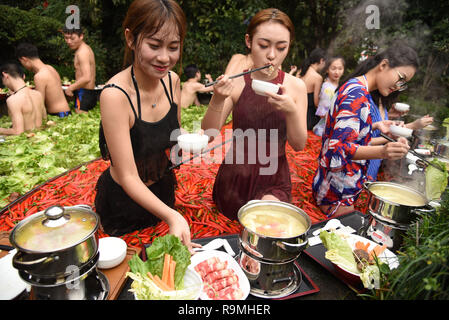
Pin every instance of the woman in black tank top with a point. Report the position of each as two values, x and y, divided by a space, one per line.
139 114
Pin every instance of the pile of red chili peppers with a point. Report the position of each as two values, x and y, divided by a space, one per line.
193 195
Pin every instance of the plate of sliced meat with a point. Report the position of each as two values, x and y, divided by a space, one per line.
223 279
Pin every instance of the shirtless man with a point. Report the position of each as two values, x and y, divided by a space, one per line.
25 106
192 86
46 80
83 89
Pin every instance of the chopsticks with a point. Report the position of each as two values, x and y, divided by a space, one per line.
414 153
238 75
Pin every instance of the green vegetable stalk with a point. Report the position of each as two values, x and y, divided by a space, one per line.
155 258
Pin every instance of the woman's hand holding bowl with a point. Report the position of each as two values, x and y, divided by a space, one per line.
282 102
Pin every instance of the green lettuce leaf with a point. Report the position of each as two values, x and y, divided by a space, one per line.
338 251
155 258
436 180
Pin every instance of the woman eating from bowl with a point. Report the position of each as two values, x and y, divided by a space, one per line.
269 36
139 112
346 147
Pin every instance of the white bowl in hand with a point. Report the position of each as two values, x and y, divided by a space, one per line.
112 252
260 87
193 142
401 131
401 107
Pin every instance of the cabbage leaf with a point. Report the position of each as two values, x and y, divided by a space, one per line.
338 251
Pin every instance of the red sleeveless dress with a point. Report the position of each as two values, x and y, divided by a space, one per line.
256 164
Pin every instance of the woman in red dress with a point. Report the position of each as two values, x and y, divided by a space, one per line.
256 166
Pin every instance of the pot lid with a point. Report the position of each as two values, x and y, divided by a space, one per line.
55 229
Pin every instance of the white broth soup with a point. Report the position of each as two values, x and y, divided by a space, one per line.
273 223
399 196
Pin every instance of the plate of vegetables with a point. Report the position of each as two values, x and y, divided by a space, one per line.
165 274
357 259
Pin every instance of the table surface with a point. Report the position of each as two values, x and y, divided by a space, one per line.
330 286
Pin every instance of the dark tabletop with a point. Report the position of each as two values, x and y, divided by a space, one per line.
317 269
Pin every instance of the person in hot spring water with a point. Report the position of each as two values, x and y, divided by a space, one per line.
269 36
347 144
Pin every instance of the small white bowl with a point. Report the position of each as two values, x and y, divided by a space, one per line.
112 252
402 107
401 131
260 87
193 142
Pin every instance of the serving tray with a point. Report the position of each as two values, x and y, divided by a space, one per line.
317 252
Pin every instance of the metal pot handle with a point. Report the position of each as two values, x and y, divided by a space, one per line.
366 184
26 265
292 247
82 206
426 209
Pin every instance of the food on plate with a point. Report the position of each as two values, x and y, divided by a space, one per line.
220 281
355 259
162 275
273 223
398 195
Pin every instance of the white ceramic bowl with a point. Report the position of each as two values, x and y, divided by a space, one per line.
193 142
401 107
112 252
260 87
401 131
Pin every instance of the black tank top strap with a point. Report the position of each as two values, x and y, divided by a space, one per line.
112 85
169 96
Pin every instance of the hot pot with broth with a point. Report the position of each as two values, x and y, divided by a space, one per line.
57 254
274 235
392 208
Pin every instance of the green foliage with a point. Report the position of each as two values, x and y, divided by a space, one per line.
423 271
17 26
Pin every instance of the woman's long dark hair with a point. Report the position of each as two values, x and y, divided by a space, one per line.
315 57
397 55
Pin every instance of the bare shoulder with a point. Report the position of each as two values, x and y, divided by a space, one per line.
295 82
111 96
13 101
43 75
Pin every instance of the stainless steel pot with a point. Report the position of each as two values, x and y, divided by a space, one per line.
56 245
269 262
400 215
270 249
